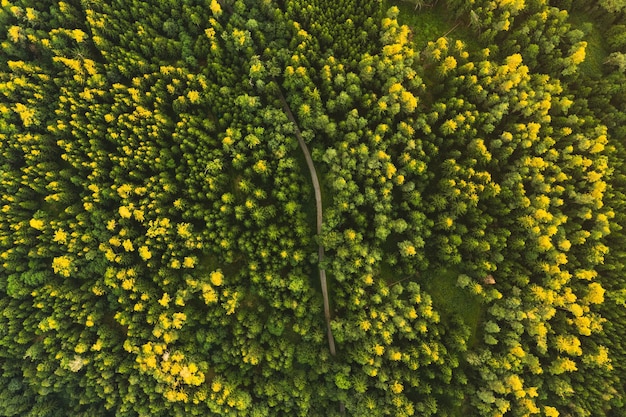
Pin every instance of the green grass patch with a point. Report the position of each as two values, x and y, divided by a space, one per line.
596 52
453 303
387 273
451 300
430 22
208 262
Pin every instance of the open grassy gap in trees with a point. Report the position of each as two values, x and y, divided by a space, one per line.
596 52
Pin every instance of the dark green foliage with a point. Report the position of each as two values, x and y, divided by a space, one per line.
158 243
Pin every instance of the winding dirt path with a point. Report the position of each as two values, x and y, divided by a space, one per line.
318 204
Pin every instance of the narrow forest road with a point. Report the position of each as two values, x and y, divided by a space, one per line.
318 204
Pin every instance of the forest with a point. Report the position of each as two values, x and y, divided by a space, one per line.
312 208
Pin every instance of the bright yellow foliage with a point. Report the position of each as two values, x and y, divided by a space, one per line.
550 411
215 7
579 54
37 224
569 344
145 253
216 278
397 387
125 212
189 262
379 350
62 265
128 245
595 294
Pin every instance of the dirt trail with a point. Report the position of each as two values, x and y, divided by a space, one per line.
318 204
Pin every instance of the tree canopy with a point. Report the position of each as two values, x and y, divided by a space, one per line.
159 238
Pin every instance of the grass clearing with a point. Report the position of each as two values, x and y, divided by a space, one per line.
451 300
596 52
430 22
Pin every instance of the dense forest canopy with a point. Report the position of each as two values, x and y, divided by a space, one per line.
160 253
